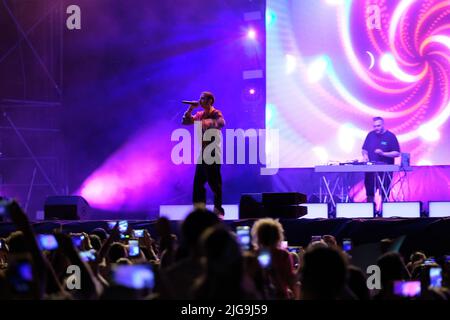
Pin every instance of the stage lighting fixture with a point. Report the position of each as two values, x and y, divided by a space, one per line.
251 34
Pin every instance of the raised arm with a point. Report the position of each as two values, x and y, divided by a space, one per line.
47 279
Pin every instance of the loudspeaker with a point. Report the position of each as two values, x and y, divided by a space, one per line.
65 208
272 204
283 198
250 206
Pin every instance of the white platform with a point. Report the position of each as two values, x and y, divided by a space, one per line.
439 209
401 209
354 210
315 210
179 212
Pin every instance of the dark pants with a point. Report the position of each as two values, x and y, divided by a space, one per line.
369 183
208 173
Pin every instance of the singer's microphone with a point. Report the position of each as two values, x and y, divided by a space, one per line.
193 103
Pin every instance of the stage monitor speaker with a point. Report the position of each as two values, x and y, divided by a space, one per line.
65 208
283 198
250 206
285 205
272 204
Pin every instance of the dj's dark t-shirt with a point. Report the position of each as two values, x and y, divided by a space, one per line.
386 141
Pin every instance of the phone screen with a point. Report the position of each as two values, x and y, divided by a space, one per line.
123 226
133 248
88 255
347 245
243 236
77 240
4 207
316 238
111 224
436 277
21 276
264 259
294 249
138 233
407 289
47 242
134 276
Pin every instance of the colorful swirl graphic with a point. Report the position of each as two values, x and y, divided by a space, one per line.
368 58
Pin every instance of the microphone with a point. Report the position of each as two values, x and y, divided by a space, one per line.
193 103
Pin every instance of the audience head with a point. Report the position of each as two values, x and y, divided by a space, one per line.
17 243
195 224
101 233
267 233
323 274
116 251
96 242
392 268
357 283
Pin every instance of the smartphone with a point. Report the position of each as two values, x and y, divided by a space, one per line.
264 259
123 226
138 276
429 261
5 207
20 275
347 245
77 240
88 255
2 244
316 238
111 224
294 249
243 237
435 277
133 248
408 289
284 245
138 233
47 242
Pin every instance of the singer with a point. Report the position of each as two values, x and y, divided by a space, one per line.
210 118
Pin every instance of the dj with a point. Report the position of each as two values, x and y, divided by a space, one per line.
380 147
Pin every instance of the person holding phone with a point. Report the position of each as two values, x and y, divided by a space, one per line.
206 172
267 235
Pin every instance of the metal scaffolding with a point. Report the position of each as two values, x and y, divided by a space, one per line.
32 161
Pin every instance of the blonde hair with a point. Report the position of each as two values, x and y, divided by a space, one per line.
267 232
